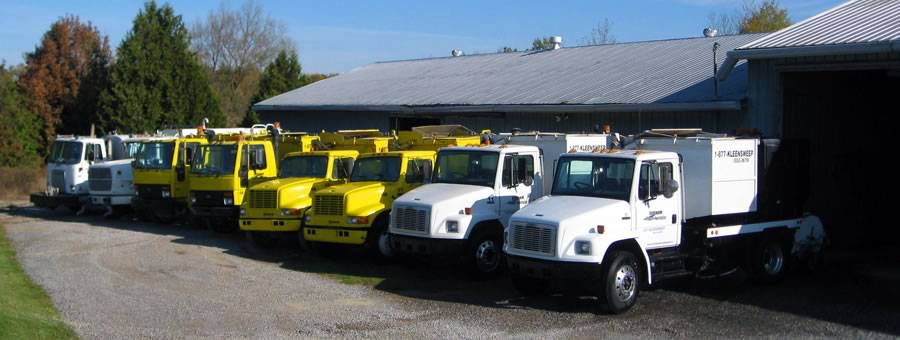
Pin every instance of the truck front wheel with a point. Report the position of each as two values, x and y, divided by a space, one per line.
261 239
378 240
620 282
486 252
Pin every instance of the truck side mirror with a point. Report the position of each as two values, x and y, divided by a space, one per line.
529 181
669 188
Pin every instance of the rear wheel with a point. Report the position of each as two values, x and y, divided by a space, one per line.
620 282
486 252
769 262
530 286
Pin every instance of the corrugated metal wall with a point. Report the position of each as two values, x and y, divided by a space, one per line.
629 122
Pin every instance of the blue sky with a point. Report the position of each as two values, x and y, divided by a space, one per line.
337 36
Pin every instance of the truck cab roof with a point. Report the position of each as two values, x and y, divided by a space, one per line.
406 153
333 153
492 148
638 155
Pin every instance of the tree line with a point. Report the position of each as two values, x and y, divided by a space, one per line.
162 74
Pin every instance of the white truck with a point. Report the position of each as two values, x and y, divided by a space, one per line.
474 191
67 171
670 206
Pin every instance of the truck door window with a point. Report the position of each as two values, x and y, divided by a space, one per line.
649 185
415 170
517 167
257 157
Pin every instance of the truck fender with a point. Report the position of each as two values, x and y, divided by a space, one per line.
809 237
479 219
634 245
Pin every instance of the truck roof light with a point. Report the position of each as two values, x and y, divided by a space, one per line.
468 210
601 229
572 150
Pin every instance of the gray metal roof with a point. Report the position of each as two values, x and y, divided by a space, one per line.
652 75
854 22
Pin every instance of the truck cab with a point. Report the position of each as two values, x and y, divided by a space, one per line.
474 191
620 219
111 183
67 171
161 169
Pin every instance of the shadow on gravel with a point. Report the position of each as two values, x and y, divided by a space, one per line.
835 293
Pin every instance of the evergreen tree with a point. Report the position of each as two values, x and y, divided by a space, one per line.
282 75
156 80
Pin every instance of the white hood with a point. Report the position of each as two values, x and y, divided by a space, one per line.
558 210
439 194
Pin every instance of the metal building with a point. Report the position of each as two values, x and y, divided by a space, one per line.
827 86
631 86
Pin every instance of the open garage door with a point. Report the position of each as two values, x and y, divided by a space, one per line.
847 120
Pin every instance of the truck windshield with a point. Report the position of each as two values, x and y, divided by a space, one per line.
214 160
384 169
65 152
303 166
132 149
594 177
466 167
154 155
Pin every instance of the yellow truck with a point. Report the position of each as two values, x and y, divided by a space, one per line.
357 213
276 207
223 169
161 180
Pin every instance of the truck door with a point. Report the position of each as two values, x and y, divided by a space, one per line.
657 209
517 179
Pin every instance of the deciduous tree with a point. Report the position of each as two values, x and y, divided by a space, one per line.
20 129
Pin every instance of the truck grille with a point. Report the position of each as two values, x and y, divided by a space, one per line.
58 179
411 219
150 190
209 198
533 239
100 179
263 199
329 205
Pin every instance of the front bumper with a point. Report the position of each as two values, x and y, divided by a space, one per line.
42 200
427 246
111 200
579 272
224 212
270 224
335 235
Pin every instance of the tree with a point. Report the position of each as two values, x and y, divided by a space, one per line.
600 35
156 80
751 18
540 44
282 75
63 74
235 45
507 49
20 129
766 17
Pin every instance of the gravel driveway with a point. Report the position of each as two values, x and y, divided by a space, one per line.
117 278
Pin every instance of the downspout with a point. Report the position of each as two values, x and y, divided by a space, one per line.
716 68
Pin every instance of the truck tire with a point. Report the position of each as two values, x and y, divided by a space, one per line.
769 261
222 225
530 286
302 242
620 281
485 252
261 239
163 218
378 240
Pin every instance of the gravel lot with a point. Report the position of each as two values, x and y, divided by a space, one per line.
117 278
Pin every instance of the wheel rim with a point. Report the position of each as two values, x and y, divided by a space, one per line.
625 283
773 259
486 255
384 244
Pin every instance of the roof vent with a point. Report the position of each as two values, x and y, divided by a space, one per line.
456 53
556 41
709 32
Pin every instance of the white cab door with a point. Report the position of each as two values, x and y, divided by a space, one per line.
517 175
657 212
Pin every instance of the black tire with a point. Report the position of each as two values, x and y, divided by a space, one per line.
485 252
302 242
621 282
530 286
222 225
378 241
769 260
263 240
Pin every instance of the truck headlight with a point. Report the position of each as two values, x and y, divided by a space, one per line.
193 198
358 220
582 247
307 218
228 201
290 212
452 226
243 211
166 193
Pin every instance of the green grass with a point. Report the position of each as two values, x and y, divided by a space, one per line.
25 309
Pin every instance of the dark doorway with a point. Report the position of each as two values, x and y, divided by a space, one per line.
845 121
407 123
